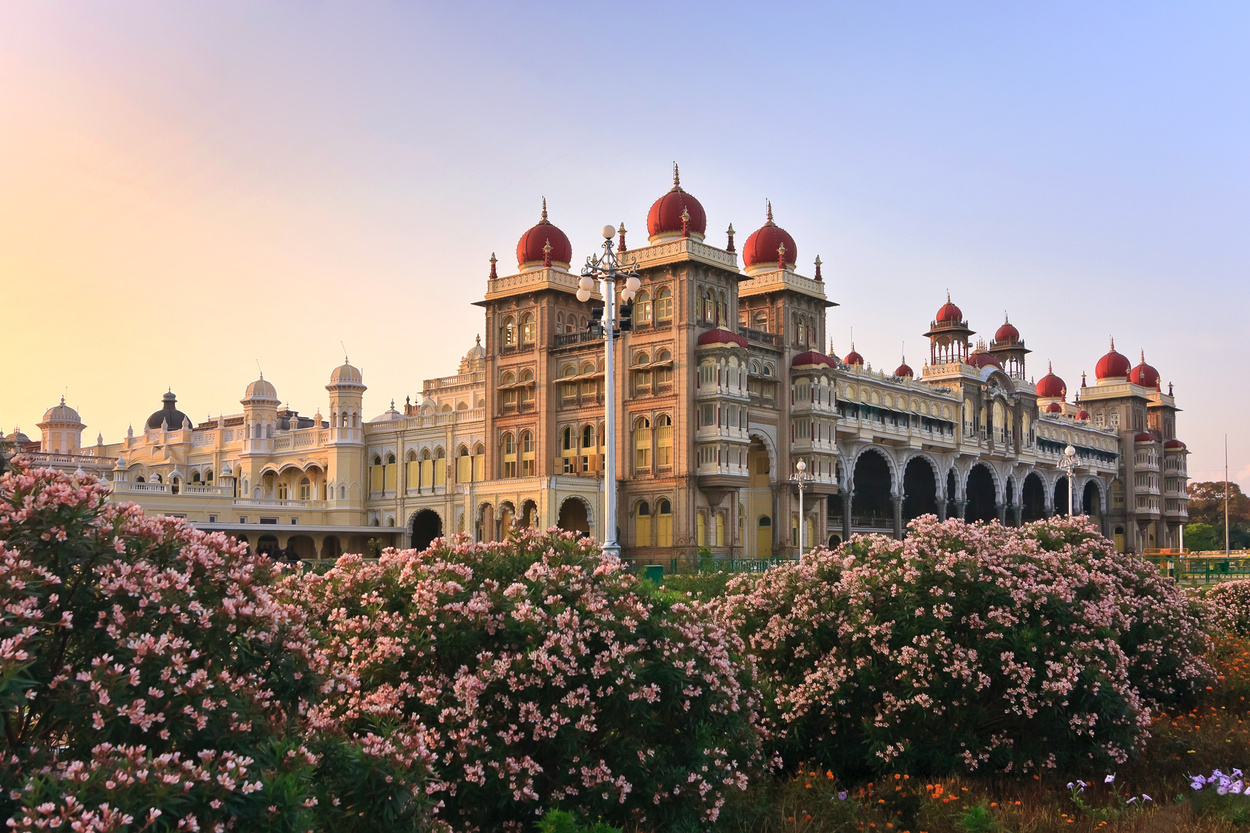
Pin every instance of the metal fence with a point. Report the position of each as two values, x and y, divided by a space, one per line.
1200 568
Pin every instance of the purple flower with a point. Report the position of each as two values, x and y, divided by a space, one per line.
1131 800
1145 797
1109 779
842 795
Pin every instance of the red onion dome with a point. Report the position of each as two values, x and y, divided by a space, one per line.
1144 438
949 313
1007 333
904 371
984 360
1144 374
665 214
762 246
853 359
810 358
1051 386
1113 365
721 335
1054 408
1174 444
1083 415
531 248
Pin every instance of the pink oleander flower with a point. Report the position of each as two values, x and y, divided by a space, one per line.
970 646
538 673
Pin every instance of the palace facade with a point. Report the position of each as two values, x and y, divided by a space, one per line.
721 388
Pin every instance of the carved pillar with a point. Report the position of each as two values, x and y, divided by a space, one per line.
1017 514
846 515
942 507
1001 509
896 503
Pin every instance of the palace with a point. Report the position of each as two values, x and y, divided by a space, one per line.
721 390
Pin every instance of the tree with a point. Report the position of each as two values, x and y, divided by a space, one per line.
1206 508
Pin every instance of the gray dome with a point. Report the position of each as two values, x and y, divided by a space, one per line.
167 415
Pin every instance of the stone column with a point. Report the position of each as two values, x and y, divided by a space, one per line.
846 515
896 503
1001 509
942 507
960 509
1017 513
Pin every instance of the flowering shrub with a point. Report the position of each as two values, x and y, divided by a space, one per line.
966 647
541 676
1230 605
149 671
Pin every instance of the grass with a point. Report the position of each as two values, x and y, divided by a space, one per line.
1214 735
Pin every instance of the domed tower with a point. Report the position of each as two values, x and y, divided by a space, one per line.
543 245
347 389
62 430
1009 349
768 248
260 416
948 335
676 214
1051 391
168 418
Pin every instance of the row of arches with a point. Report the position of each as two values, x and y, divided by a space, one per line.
976 493
497 523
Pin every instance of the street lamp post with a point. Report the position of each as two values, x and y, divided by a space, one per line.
1069 465
608 268
801 477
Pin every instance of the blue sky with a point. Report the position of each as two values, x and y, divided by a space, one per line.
187 189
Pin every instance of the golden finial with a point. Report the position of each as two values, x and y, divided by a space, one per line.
770 211
676 177
544 219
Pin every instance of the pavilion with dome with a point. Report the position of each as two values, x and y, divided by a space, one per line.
722 388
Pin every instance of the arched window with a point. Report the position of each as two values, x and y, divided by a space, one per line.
440 467
664 523
559 322
376 473
284 490
760 322
305 489
464 465
527 454
588 436
208 477
700 525
663 369
507 395
392 472
566 438
509 455
719 539
195 477
509 332
527 328
664 440
527 387
479 462
342 492
642 375
664 305
642 444
642 307
642 525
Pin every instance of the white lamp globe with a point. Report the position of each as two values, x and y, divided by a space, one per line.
609 232
587 283
583 295
801 466
632 284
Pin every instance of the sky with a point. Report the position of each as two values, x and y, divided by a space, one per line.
190 191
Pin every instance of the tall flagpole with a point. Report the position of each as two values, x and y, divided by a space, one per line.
1226 496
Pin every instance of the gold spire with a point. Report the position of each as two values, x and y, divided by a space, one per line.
544 218
770 211
676 177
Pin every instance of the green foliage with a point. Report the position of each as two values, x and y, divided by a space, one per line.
701 586
977 819
562 821
1204 537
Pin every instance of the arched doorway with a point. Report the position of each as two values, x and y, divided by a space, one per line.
1032 498
330 547
507 515
870 502
529 514
573 516
1091 500
1061 495
267 545
919 489
764 537
485 523
426 526
835 541
980 495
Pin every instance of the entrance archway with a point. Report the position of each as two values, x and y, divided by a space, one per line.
980 495
1032 498
919 489
1091 500
1061 496
573 516
529 514
870 502
331 548
426 526
267 545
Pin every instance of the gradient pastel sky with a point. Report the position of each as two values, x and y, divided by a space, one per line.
189 188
